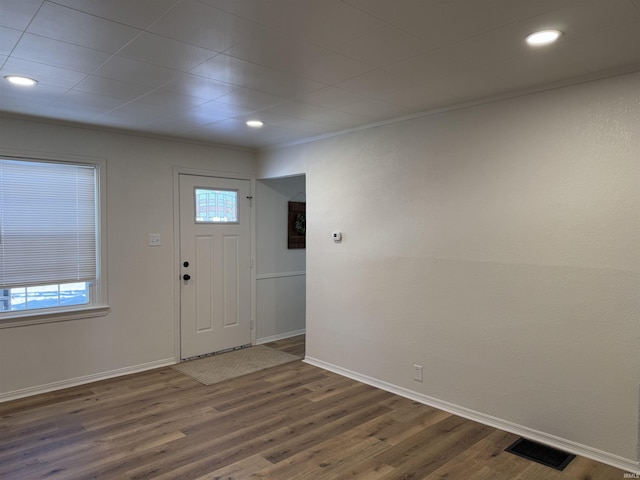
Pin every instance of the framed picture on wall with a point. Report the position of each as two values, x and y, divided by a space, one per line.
297 227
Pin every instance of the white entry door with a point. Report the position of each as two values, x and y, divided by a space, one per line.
215 256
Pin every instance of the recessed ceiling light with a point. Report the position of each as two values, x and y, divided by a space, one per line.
255 123
543 37
22 81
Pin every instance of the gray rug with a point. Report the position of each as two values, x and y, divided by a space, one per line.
217 368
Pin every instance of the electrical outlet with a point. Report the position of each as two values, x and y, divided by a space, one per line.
417 373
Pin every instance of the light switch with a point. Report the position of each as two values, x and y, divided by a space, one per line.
154 240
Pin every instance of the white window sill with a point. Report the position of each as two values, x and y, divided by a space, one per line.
36 317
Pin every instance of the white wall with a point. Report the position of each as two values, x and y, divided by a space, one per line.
280 273
139 331
495 245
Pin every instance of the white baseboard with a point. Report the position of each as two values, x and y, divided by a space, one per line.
520 430
280 336
73 382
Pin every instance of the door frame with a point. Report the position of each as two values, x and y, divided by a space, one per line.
177 171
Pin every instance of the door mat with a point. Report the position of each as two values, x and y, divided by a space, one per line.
224 366
540 453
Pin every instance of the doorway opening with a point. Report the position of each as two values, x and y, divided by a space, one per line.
280 270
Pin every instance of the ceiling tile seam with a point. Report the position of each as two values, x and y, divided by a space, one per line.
519 92
225 52
141 31
125 102
358 37
575 61
111 55
492 29
281 101
245 19
105 116
44 82
174 70
162 15
237 86
190 71
54 99
435 47
629 21
66 43
233 14
86 75
351 57
457 43
626 22
216 52
206 101
361 95
147 30
530 17
124 131
269 29
289 72
22 32
374 67
379 99
594 76
586 63
156 89
365 12
309 41
470 68
34 15
509 57
488 68
294 73
108 19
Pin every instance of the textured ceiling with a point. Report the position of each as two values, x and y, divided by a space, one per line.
199 69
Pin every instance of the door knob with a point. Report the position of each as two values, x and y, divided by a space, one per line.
186 276
185 264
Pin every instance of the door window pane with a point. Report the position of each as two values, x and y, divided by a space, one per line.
216 206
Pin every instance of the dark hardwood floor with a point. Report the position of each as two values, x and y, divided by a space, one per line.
294 421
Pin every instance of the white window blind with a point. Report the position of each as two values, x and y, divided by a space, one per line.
47 223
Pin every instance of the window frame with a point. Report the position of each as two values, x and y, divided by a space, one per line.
98 305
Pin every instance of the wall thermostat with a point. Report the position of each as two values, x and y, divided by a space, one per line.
337 236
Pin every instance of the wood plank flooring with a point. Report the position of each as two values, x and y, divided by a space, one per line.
290 422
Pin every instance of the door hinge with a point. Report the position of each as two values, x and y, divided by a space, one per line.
251 263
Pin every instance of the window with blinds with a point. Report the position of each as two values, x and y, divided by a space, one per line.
48 234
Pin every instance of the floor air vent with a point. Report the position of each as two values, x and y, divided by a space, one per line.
537 452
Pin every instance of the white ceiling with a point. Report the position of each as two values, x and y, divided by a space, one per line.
199 69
